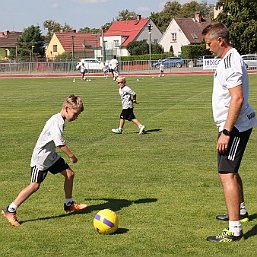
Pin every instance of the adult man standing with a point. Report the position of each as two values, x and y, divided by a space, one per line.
235 119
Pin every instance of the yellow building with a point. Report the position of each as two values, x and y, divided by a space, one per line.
78 43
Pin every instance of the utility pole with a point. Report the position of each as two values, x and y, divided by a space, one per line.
103 47
72 52
150 27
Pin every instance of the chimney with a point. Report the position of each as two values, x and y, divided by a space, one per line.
138 19
6 33
198 17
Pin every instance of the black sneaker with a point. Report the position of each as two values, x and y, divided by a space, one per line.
225 237
243 218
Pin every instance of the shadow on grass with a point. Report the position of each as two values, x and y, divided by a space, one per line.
148 131
253 230
253 216
113 204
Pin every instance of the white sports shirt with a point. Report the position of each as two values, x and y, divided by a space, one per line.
113 64
44 154
125 95
231 72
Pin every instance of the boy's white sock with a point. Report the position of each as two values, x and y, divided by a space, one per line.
68 201
12 207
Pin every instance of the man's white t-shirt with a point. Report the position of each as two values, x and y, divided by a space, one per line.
231 72
125 95
44 154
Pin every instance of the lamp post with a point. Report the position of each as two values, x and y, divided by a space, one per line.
32 50
150 27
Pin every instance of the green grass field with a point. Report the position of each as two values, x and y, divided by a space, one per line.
163 184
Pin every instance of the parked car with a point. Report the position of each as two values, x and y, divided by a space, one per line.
170 62
91 63
250 60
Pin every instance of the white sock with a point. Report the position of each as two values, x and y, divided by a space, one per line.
140 126
12 207
235 227
242 208
68 201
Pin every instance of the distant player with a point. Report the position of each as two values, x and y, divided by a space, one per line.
45 158
161 70
114 67
128 97
81 67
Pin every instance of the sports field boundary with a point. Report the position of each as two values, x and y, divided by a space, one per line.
77 75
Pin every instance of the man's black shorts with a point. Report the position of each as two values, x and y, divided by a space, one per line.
127 114
229 162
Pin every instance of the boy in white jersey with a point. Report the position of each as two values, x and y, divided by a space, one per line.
45 158
128 97
235 119
114 67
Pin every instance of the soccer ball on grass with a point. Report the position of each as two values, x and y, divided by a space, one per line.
106 222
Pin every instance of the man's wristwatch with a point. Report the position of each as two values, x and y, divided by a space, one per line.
226 132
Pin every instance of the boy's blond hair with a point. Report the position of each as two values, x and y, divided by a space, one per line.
74 102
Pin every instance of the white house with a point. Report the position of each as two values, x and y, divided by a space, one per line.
183 31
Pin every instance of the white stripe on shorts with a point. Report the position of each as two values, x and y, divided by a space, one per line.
34 174
233 149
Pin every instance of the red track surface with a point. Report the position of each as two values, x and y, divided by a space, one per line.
62 75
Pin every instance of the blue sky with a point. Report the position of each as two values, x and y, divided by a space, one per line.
19 14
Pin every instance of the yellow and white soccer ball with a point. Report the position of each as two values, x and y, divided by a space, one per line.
106 222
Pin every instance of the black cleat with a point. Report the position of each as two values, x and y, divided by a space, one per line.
225 237
243 218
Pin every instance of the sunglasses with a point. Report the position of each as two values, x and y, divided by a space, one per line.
120 82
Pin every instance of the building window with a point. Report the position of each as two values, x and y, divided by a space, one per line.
116 43
54 48
194 36
173 37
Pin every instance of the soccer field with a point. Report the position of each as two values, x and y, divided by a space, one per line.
163 185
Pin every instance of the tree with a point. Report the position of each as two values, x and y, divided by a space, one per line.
163 19
142 47
157 49
126 15
53 26
31 43
89 30
174 9
240 17
138 47
188 9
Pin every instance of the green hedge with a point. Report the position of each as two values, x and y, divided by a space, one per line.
145 57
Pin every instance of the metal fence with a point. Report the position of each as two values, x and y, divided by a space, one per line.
125 67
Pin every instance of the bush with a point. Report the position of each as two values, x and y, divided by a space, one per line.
193 51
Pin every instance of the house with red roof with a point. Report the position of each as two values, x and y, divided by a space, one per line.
80 44
121 33
8 41
183 31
